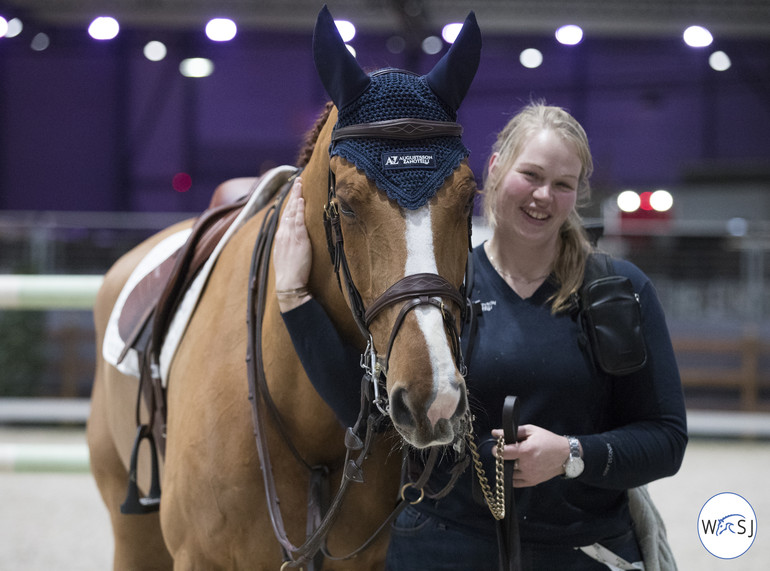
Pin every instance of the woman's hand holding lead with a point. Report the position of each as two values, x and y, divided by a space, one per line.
539 455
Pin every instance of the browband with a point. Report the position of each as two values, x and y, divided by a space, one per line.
401 129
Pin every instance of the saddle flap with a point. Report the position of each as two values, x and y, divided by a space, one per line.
141 302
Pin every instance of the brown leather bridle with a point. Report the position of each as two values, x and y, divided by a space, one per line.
415 290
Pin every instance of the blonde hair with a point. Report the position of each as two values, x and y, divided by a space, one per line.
569 266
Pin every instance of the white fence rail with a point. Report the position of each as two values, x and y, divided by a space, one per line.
48 292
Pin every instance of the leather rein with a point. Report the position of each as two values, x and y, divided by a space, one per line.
414 290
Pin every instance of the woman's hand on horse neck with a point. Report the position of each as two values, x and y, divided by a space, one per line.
292 256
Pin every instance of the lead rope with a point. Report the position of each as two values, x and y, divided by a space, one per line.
496 501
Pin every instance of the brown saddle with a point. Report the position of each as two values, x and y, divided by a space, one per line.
147 314
157 295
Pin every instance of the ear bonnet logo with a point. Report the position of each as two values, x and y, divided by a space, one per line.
727 525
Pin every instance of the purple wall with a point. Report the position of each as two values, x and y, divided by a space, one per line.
90 126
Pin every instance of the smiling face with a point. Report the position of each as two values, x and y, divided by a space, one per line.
539 190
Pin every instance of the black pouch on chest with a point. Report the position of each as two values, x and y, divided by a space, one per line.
611 320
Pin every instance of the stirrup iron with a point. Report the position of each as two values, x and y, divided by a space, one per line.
134 504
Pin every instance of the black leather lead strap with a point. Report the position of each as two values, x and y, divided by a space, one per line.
508 528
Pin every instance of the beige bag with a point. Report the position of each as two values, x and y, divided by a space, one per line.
650 531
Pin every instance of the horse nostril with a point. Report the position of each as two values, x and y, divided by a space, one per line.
462 405
399 409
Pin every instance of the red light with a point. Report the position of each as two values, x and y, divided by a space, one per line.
181 182
645 198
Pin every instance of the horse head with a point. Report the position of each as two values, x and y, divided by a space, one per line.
397 215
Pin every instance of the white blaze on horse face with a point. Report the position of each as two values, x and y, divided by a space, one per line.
421 258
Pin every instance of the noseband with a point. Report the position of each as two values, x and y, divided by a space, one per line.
415 290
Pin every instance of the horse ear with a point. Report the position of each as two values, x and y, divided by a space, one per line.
340 73
451 77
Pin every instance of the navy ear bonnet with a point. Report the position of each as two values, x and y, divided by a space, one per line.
408 171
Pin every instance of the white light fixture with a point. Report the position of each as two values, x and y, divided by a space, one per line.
697 37
3 27
531 58
432 45
395 44
720 61
346 29
40 42
569 35
737 227
104 28
629 201
451 31
221 29
15 27
196 67
661 200
351 49
155 50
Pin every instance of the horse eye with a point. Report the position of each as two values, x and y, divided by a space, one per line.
471 202
345 208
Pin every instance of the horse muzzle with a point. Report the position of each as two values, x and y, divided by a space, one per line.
427 395
434 423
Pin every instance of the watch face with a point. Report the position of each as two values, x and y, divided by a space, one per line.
574 467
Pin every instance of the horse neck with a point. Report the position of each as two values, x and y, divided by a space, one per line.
323 280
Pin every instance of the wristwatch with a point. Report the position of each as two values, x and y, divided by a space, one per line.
573 467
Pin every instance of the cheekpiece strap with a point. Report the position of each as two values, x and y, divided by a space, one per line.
399 129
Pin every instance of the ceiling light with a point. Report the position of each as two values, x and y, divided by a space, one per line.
14 28
346 29
395 44
196 67
569 35
104 28
221 29
40 42
697 37
451 31
719 61
155 51
432 45
531 58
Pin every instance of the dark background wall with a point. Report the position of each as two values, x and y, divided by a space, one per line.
88 125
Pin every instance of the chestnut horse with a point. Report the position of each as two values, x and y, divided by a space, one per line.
214 511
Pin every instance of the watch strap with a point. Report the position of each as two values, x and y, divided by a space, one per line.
574 447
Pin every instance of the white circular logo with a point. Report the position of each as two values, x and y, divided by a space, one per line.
727 525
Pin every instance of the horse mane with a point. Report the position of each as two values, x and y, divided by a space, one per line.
311 137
